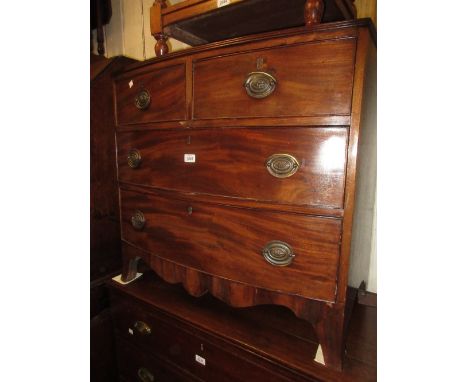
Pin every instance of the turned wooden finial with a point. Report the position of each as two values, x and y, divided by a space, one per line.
157 26
313 12
161 47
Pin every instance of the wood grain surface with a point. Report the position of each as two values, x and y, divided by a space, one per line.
312 79
232 162
195 234
228 242
167 90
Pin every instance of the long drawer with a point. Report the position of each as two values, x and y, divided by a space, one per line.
303 166
295 254
289 81
194 352
155 96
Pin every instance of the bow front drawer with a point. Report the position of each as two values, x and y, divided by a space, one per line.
301 166
292 81
295 254
155 96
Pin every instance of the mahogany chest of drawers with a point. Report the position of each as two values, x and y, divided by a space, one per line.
243 165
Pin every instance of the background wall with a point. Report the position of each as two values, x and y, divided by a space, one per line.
128 34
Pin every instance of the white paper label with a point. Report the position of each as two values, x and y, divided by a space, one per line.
130 330
200 360
130 84
189 158
222 3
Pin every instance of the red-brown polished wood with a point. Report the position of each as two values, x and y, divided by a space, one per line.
232 162
313 12
312 79
166 87
228 243
332 88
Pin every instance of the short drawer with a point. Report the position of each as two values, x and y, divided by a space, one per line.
191 350
302 166
155 96
291 253
136 365
290 81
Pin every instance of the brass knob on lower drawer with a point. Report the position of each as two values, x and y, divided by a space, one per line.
134 158
138 220
142 328
145 375
282 165
260 84
143 99
278 253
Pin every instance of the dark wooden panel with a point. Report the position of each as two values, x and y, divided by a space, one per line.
130 359
231 162
166 87
181 344
312 79
228 242
248 17
102 349
264 333
104 200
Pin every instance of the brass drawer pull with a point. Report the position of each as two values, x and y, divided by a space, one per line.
282 165
138 220
143 99
278 253
134 158
142 328
260 84
145 375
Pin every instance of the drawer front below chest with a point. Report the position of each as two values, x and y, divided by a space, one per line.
291 253
289 81
158 95
136 365
302 166
191 350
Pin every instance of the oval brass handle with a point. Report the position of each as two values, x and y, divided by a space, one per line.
260 84
143 99
145 375
134 158
278 253
142 328
282 165
138 220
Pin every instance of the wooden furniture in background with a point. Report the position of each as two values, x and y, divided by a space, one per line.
241 172
105 219
198 22
163 332
101 13
105 253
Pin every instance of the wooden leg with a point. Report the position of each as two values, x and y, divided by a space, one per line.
161 47
157 27
329 330
130 267
313 12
